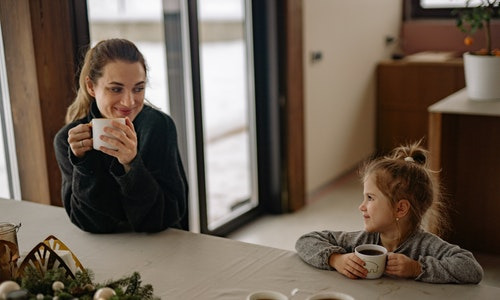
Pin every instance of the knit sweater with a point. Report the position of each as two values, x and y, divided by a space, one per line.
441 261
100 197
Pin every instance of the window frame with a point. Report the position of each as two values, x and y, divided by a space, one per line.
6 126
419 12
414 10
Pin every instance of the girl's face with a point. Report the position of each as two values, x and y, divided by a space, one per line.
378 214
119 93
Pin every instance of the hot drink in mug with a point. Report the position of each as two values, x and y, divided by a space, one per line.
374 257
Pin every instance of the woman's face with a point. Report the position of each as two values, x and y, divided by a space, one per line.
119 93
378 214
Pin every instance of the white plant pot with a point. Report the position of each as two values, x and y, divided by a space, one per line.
482 77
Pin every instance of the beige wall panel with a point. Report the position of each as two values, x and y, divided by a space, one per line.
340 88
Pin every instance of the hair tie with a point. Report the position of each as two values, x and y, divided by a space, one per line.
409 159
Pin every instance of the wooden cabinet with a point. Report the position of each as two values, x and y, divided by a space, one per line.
464 145
405 90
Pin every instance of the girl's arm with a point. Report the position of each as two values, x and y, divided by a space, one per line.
442 262
316 248
453 265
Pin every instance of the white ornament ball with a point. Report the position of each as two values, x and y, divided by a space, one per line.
57 286
8 286
104 293
39 297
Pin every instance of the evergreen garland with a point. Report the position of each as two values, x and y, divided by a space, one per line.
81 287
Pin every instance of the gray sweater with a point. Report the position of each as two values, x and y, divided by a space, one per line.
441 262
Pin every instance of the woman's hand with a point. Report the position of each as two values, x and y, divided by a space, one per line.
80 139
124 139
349 265
402 266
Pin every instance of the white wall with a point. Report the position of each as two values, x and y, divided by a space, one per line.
340 88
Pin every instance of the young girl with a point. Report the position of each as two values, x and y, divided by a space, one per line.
399 190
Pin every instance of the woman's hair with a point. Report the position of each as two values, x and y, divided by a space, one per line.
96 59
405 174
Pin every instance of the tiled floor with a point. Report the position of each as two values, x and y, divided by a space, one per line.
334 207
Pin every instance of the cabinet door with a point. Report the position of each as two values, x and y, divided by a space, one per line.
405 90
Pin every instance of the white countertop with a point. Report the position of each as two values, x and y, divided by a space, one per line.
459 103
185 265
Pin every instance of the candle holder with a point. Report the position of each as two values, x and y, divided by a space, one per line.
9 251
51 254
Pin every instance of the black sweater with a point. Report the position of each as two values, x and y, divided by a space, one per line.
100 197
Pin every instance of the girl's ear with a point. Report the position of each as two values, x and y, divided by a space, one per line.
402 208
90 86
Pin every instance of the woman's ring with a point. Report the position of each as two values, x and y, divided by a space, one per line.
81 143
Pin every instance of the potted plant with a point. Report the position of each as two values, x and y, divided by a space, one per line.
482 67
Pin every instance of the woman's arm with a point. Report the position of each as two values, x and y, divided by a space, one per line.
155 188
86 194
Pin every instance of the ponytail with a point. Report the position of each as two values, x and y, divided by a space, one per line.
405 174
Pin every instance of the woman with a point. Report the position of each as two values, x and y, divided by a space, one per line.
140 186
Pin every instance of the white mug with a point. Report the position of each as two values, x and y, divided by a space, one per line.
270 295
98 125
374 257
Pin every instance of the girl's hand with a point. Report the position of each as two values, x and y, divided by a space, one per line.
402 266
80 139
124 139
349 265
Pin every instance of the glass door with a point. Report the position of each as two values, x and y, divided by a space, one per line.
10 187
224 111
208 89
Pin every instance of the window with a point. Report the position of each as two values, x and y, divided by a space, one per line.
141 24
228 138
4 178
9 178
440 9
227 102
429 4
